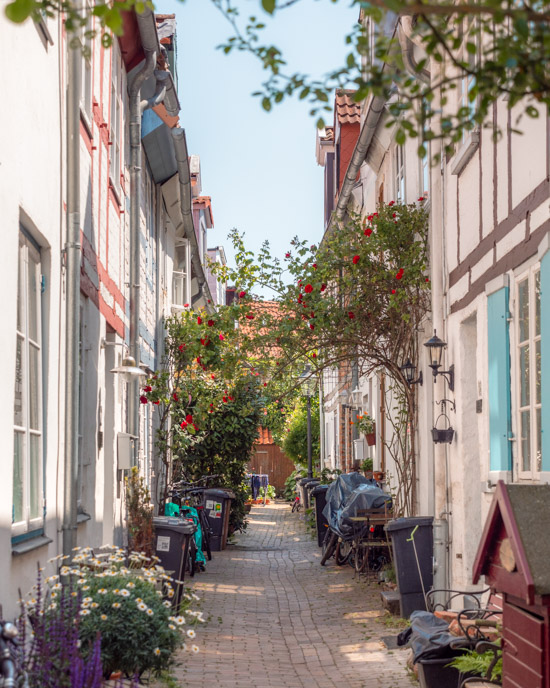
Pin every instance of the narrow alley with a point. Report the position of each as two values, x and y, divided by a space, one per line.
279 619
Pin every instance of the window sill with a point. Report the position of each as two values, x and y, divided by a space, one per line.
465 152
30 545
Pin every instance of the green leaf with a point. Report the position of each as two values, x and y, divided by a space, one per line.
266 104
320 124
269 6
19 10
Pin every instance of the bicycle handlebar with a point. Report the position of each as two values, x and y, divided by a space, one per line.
197 483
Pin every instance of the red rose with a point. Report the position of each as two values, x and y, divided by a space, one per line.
210 323
203 342
265 384
393 291
143 399
221 337
213 376
312 327
199 320
148 388
315 266
231 398
181 347
394 215
421 198
189 418
186 305
196 429
369 218
183 424
368 231
156 403
287 255
314 355
308 289
355 260
175 397
224 399
323 287
427 279
391 203
242 294
199 360
250 317
351 315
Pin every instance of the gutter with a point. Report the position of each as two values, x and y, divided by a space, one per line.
184 175
376 107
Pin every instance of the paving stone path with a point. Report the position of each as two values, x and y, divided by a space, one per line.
280 620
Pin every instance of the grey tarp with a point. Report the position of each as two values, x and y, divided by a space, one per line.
349 493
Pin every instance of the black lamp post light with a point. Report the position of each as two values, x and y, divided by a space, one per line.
436 346
308 384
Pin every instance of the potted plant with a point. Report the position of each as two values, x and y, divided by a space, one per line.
366 467
367 426
442 435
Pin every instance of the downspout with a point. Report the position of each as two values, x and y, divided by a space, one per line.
137 107
184 175
72 252
375 110
407 44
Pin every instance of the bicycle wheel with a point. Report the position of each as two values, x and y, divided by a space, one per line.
329 546
192 558
205 527
343 550
295 506
360 558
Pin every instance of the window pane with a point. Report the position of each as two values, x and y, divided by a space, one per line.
34 388
18 476
539 440
526 440
523 310
19 418
524 375
21 292
35 474
537 304
537 371
34 295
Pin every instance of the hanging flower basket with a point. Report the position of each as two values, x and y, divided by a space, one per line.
371 438
442 435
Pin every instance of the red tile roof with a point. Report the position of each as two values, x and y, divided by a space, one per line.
265 436
347 111
329 134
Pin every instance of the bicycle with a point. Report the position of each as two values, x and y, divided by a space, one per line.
192 495
296 504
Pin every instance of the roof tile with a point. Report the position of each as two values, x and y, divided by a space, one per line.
347 110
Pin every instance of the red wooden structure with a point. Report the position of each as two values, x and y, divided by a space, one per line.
514 556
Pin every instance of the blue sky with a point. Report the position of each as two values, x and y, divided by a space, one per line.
259 168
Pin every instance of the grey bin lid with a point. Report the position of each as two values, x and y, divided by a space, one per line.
178 525
318 489
409 522
305 481
219 493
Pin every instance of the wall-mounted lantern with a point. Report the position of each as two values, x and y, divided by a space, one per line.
409 370
436 346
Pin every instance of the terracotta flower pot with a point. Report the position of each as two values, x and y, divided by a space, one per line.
371 438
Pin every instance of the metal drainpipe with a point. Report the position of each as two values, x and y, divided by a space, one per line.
136 109
72 303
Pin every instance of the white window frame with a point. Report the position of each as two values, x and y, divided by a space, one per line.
399 173
30 390
532 405
181 276
86 82
115 116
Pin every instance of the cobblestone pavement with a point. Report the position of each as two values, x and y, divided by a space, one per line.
278 619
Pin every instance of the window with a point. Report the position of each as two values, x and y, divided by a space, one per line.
114 169
27 514
399 173
86 77
181 291
528 360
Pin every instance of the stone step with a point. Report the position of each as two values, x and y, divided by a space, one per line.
390 600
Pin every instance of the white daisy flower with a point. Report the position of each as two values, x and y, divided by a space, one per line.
191 633
141 606
125 593
156 651
150 612
194 649
84 612
116 605
103 617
